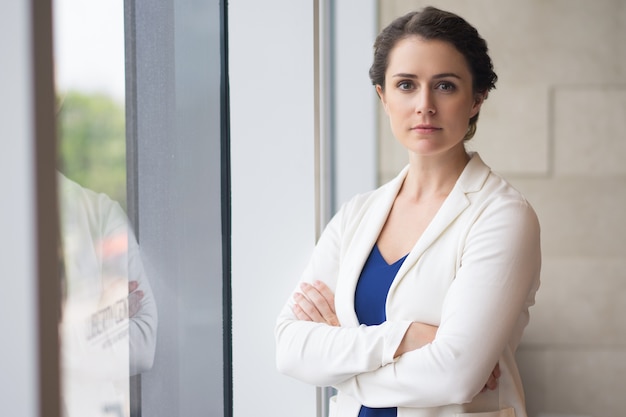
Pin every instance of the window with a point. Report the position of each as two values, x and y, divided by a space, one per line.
175 193
143 193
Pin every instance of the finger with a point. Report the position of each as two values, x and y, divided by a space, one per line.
299 313
308 307
320 302
327 293
492 382
496 371
134 303
132 286
330 315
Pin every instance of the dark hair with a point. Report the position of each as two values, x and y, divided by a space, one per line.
431 23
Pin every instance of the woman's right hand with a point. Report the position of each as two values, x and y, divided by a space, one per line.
492 382
416 336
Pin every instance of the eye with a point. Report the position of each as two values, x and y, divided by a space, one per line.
405 85
446 86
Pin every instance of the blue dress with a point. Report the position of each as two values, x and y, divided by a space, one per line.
369 304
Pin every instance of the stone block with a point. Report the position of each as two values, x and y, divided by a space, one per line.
534 369
581 304
573 382
590 131
512 135
587 382
580 217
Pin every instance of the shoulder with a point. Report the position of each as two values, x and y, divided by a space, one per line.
481 182
98 207
493 197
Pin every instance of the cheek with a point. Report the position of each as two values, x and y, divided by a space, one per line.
398 116
464 112
399 107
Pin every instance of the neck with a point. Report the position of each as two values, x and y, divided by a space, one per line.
433 176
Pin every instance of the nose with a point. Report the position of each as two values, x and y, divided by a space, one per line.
425 103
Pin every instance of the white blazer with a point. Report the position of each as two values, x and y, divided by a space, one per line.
474 273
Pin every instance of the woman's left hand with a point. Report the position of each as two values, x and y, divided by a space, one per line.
315 303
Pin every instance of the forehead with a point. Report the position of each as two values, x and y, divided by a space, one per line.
419 56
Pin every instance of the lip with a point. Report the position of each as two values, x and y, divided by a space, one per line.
425 128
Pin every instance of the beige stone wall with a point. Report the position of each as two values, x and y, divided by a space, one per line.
556 128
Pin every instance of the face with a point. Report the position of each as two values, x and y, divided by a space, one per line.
428 96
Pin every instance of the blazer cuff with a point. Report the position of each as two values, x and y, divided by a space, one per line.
392 340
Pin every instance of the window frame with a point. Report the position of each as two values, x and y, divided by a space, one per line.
164 85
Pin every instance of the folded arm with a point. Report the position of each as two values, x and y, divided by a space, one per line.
485 306
389 365
316 303
322 354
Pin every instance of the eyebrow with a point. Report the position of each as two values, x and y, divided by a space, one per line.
437 76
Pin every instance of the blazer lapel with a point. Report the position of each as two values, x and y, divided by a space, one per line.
375 210
471 180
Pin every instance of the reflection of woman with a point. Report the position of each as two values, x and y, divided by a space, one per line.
109 316
417 293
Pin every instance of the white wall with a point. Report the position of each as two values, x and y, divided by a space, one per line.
355 98
273 199
18 301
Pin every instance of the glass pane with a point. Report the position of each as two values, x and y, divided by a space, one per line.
177 163
89 60
154 156
108 323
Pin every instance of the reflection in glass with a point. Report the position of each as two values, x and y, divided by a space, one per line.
92 144
109 316
108 327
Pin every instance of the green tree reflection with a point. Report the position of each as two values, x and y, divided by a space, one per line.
92 145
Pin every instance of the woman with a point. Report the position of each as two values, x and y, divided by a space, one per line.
416 295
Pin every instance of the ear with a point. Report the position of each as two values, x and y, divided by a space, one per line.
479 98
381 95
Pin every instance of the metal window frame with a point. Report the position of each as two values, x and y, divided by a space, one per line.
155 89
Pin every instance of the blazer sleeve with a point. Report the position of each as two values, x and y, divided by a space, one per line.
485 309
324 355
